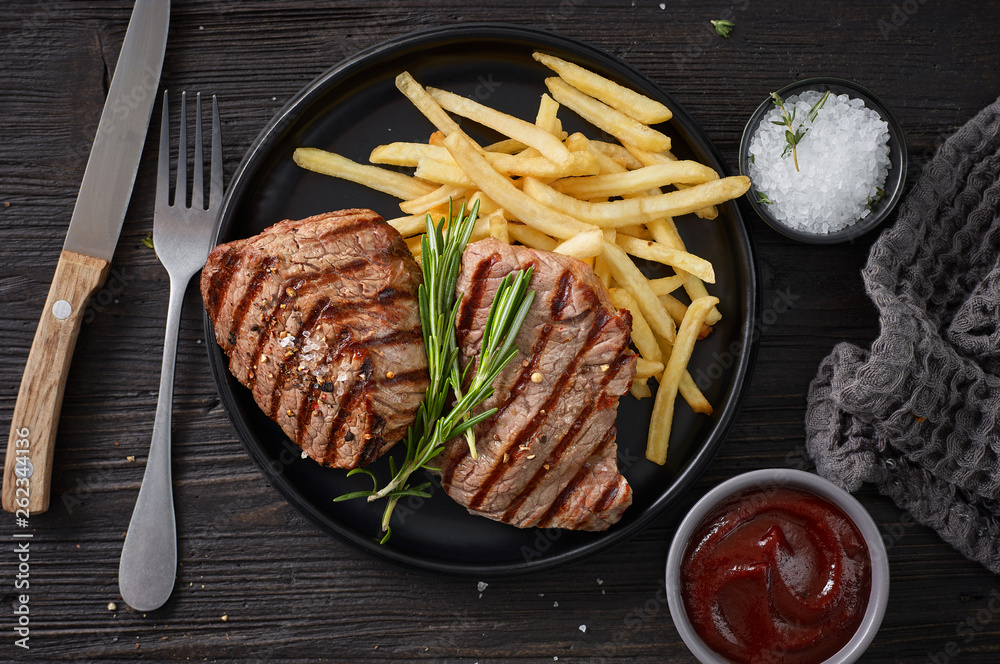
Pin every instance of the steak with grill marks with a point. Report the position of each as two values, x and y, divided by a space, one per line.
547 458
320 321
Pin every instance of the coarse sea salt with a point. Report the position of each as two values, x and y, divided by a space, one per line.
843 162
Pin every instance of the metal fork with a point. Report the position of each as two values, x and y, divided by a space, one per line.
182 235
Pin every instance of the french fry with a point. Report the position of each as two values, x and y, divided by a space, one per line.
640 210
486 204
693 396
640 107
547 116
413 244
678 310
531 237
661 420
602 271
665 232
506 146
642 336
435 164
654 251
688 388
618 153
481 229
431 110
640 389
510 198
442 172
631 182
373 177
647 369
636 231
414 224
628 275
647 158
436 138
667 285
525 132
439 196
583 245
498 226
695 289
403 154
606 165
602 116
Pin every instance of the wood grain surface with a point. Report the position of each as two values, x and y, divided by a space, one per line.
260 583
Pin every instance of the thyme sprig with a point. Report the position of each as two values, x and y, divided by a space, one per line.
436 423
723 27
794 136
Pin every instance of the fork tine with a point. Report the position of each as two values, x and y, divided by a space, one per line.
180 191
197 186
163 165
215 195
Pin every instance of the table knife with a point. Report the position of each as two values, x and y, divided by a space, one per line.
86 256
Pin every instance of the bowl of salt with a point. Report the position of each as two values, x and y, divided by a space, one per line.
826 160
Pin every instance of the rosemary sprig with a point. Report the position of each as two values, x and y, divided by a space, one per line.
441 255
723 27
792 135
763 198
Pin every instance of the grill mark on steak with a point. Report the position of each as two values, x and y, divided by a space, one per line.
475 299
601 319
607 498
561 502
405 377
250 294
589 408
221 279
371 448
562 294
356 227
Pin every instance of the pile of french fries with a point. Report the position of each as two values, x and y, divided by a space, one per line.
599 201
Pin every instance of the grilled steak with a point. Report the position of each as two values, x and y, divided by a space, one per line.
319 319
547 458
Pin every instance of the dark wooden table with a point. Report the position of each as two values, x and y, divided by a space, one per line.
258 581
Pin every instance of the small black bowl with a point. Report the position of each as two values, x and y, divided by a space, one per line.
897 161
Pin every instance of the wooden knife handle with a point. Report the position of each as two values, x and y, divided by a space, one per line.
28 466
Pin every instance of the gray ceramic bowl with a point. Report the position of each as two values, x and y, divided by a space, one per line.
894 180
802 480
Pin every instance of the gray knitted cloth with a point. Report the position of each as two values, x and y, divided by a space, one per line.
918 415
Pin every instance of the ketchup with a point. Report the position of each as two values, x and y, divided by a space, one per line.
776 574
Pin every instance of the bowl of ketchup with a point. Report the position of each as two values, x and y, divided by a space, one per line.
777 566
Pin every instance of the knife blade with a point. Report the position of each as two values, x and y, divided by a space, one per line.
86 256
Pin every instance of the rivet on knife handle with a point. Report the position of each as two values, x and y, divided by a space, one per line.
39 400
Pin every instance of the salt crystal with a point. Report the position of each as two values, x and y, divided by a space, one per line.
482 586
583 628
843 163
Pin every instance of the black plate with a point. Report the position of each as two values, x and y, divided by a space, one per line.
354 107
